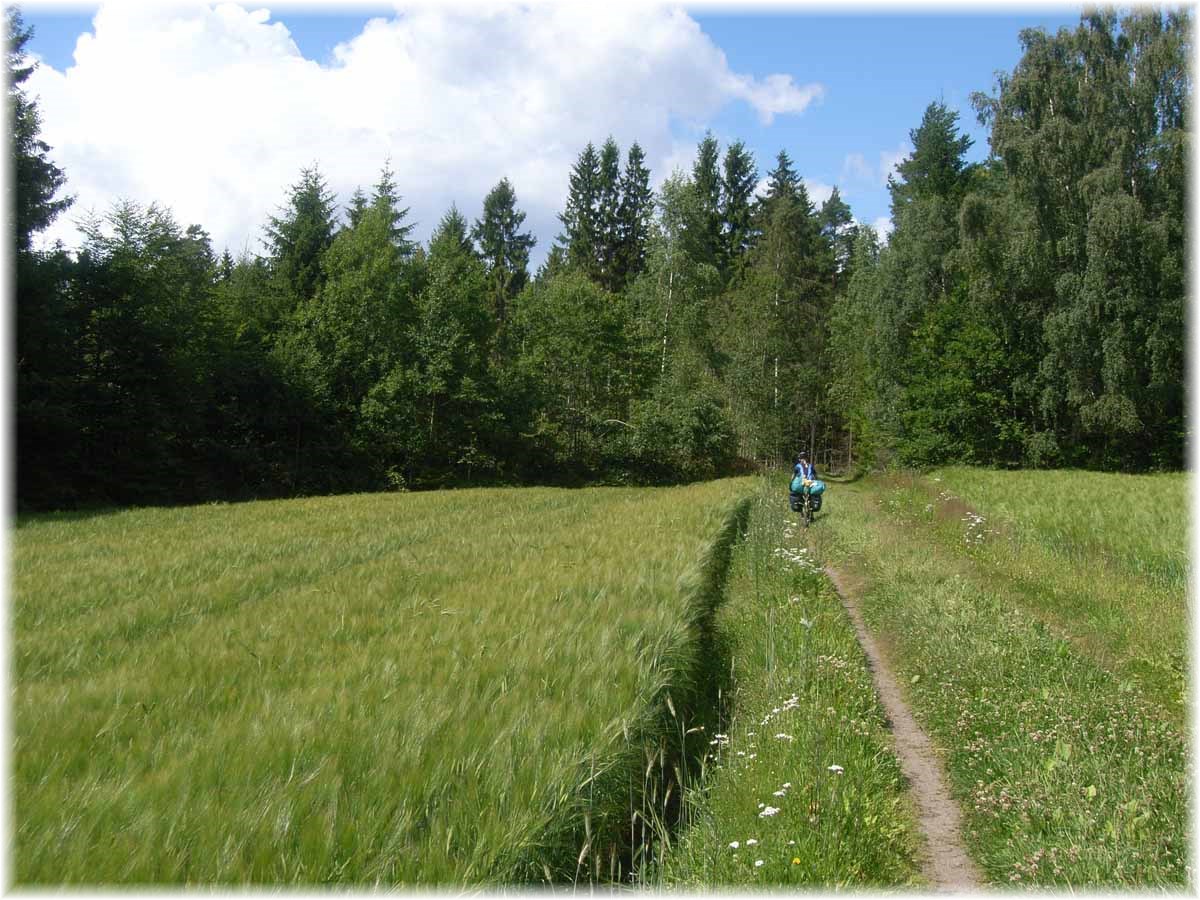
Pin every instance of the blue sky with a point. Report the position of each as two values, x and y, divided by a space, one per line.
876 73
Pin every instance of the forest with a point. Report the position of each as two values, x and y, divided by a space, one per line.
1025 311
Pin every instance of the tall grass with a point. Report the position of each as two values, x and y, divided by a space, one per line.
1071 773
372 689
1102 556
801 788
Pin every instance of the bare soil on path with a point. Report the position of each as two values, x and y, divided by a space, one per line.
946 865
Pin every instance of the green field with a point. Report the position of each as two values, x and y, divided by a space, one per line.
520 686
1040 621
362 689
805 737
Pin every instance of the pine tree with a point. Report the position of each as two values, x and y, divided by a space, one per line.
36 179
937 164
706 179
608 215
503 246
782 181
581 223
358 206
298 239
738 180
634 215
452 230
839 230
387 199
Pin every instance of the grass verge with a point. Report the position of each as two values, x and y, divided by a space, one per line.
800 787
1069 774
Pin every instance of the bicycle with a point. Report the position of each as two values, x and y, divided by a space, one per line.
806 504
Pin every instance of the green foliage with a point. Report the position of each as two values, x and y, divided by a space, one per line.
1027 310
739 178
574 348
35 179
634 214
503 247
297 239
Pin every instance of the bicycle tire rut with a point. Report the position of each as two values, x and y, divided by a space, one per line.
946 864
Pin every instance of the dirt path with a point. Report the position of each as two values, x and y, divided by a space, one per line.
947 865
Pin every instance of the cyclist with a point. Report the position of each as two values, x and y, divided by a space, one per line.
804 474
804 468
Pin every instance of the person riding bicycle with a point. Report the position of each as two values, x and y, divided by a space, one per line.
804 468
804 478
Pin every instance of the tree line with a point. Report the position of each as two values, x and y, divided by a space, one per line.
1026 310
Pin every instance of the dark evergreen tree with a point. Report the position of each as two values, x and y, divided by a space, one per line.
838 228
386 198
608 204
581 219
634 215
782 181
298 238
49 322
936 166
739 178
706 181
503 246
358 206
36 180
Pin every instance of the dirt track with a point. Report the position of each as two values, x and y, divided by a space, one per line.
946 865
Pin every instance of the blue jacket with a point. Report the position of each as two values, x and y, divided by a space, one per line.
809 472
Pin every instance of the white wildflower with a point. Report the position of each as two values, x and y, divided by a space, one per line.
733 845
836 769
757 863
768 811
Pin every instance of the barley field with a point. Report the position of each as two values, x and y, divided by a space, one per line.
443 688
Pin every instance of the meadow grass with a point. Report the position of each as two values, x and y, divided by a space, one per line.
1101 556
440 688
1069 773
801 788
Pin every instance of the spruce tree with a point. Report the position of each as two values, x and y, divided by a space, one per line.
581 226
937 163
387 199
608 201
503 247
36 180
357 207
839 230
634 215
782 181
299 238
738 180
706 179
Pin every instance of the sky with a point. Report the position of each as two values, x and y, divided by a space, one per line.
212 110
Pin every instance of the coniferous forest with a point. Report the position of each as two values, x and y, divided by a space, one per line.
1028 310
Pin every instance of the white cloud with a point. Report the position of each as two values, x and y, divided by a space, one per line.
856 169
889 159
818 192
883 227
214 111
774 94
